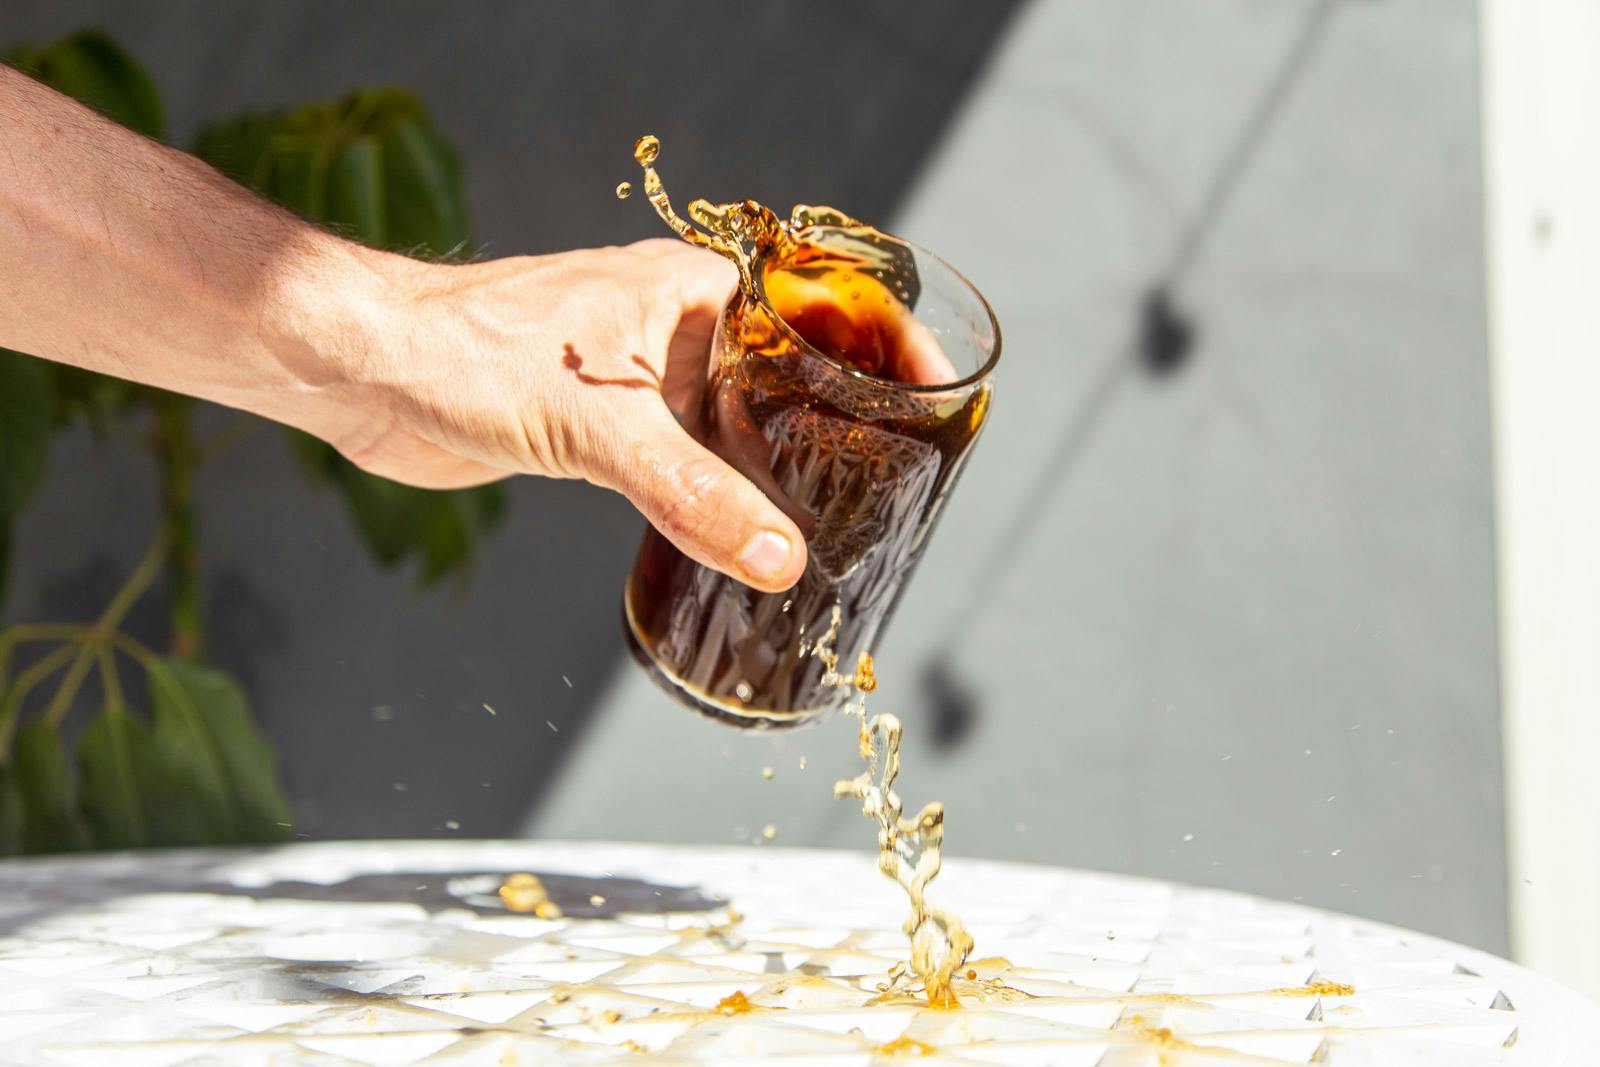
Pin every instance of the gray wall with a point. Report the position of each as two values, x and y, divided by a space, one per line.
1251 601
1248 638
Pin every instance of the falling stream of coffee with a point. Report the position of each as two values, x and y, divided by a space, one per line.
908 849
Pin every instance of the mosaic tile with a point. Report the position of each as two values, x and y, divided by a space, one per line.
399 953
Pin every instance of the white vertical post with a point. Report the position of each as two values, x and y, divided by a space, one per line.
1541 121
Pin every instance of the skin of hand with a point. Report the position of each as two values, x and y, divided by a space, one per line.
126 257
568 366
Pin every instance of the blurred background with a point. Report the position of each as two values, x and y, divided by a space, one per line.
1217 597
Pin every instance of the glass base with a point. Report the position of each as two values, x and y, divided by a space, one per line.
725 712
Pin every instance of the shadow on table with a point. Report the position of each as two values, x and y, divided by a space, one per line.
35 889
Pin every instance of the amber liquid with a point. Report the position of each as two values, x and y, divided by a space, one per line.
806 397
860 465
910 851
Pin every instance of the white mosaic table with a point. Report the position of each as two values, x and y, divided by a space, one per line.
400 953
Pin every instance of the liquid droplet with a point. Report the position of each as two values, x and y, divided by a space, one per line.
523 892
735 1003
624 190
646 149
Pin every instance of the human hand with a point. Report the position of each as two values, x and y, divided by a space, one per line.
570 366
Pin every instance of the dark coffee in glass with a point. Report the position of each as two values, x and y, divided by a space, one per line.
848 381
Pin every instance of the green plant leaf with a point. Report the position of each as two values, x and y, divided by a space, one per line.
296 176
97 399
440 529
93 69
426 201
130 796
355 200
488 503
109 788
446 541
238 146
50 817
370 163
378 107
5 572
10 812
200 775
390 516
25 428
204 729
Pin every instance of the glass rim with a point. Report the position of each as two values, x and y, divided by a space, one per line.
977 377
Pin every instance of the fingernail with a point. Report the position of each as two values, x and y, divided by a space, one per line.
765 555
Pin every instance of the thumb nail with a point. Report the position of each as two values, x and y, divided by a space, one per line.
765 556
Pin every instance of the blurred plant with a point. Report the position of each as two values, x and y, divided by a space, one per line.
370 165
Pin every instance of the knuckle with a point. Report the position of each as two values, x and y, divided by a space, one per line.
558 442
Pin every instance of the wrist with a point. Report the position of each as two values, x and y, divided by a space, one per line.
337 312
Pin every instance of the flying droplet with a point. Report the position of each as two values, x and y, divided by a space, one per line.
624 190
523 892
646 149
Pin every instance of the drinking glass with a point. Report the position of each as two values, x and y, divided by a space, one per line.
857 426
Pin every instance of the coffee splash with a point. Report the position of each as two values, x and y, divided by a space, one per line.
743 230
880 268
909 850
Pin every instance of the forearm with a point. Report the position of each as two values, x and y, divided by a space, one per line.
124 256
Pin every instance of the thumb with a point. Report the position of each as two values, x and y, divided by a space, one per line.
711 512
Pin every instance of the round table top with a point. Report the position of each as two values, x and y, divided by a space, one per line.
401 953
